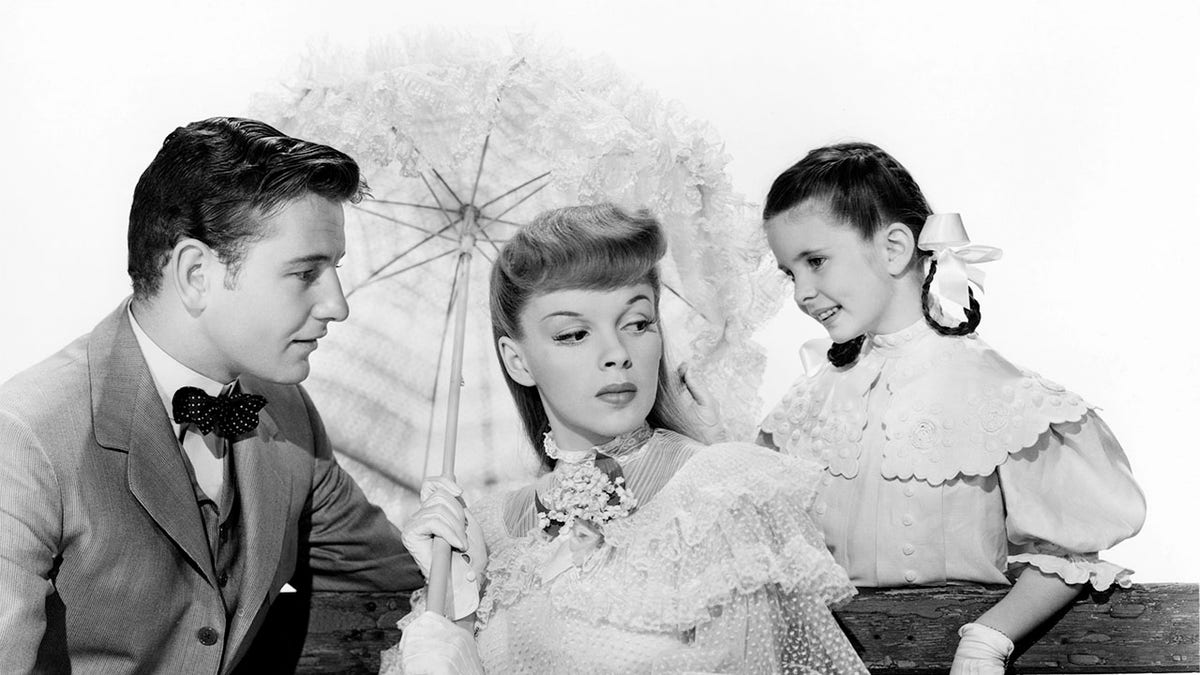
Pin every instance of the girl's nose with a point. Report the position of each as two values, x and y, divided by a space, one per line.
803 291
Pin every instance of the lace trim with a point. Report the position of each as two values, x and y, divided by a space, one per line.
1077 568
732 521
955 407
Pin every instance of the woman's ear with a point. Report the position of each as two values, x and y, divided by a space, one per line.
513 358
899 248
191 270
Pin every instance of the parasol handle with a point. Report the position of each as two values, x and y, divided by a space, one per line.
439 571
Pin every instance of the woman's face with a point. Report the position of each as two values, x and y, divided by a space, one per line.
594 357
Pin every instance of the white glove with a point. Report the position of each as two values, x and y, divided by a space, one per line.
982 650
442 514
703 408
432 645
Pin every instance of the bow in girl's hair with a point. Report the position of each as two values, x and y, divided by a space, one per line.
956 257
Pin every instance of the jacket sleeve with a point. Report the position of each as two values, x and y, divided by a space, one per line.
352 546
30 528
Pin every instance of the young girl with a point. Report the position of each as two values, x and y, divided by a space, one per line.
639 550
944 461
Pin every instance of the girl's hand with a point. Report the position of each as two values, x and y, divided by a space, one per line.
432 645
981 651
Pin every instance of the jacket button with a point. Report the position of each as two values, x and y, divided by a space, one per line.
910 576
222 579
909 549
907 519
207 636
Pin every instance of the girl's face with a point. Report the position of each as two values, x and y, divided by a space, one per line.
840 279
594 357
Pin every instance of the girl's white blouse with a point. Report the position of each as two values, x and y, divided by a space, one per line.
945 462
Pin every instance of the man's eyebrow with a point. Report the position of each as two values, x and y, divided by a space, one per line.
311 258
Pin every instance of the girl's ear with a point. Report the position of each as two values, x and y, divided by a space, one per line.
513 358
899 248
191 271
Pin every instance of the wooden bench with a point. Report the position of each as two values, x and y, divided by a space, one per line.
1150 628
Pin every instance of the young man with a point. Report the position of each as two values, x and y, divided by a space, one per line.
164 476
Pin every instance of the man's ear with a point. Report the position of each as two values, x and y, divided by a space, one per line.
899 248
513 358
192 270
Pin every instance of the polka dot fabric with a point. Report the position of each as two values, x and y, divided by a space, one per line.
229 415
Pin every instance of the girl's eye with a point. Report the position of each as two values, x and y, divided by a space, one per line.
816 262
787 273
571 336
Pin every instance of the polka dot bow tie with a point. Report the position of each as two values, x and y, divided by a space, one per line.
230 415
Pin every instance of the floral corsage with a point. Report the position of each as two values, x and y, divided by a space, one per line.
586 496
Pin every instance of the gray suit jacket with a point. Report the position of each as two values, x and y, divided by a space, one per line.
104 564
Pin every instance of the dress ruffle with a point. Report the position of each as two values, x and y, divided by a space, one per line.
956 407
1076 568
723 528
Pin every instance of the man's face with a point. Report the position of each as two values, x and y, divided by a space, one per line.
265 321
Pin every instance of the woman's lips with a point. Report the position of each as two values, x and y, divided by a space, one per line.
617 394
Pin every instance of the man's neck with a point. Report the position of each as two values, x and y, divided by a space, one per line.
173 329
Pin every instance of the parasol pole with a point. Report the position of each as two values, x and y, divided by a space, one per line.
439 572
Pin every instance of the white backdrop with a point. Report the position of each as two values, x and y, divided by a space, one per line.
1066 133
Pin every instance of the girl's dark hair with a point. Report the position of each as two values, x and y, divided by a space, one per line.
867 189
215 180
599 247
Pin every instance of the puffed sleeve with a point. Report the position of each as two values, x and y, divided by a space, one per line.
1068 497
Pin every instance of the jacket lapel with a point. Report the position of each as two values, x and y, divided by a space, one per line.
265 498
128 416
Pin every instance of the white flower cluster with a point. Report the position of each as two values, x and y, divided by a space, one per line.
586 493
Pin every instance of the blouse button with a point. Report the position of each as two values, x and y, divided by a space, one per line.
910 576
826 479
908 491
907 519
909 549
820 509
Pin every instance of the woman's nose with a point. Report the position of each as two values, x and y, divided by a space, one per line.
616 355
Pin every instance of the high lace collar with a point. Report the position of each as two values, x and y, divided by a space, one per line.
889 344
618 447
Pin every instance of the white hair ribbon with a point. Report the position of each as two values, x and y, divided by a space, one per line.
956 257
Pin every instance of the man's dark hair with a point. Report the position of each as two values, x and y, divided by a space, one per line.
215 180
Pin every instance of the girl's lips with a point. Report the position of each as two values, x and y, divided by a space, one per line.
826 314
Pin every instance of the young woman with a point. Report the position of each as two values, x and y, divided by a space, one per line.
639 550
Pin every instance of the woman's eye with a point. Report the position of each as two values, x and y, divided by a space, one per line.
788 273
640 325
816 262
571 336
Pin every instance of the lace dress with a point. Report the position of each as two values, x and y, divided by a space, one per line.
719 569
945 462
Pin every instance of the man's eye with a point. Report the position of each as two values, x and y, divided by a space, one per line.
309 275
571 336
